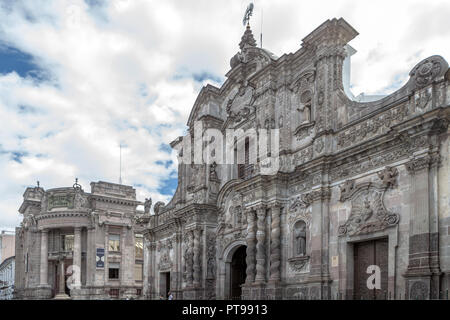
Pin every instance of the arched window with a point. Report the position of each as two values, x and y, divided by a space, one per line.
299 238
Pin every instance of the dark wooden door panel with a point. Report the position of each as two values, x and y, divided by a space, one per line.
366 254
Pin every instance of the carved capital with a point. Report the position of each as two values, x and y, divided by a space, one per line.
323 193
417 164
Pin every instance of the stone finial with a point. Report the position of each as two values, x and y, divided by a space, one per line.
247 39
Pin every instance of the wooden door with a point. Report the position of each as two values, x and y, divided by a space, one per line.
366 254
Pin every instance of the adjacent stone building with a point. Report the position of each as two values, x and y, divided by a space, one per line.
360 186
80 245
7 245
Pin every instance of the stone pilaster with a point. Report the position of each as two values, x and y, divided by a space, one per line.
319 276
44 258
189 261
77 258
260 245
197 257
422 275
145 267
251 247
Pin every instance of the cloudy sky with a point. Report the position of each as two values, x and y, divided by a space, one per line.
78 78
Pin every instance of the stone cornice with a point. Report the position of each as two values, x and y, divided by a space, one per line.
127 202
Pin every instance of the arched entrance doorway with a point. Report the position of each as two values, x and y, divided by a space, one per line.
237 274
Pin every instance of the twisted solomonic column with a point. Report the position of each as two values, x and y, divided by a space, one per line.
275 245
197 253
260 247
251 246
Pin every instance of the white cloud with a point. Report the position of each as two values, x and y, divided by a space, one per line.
124 72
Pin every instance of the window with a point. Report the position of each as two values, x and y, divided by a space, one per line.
138 292
114 269
67 242
138 272
114 243
139 247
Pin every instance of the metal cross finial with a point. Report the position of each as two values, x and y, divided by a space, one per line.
76 185
248 14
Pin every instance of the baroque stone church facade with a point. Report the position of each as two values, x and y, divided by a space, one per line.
360 184
361 189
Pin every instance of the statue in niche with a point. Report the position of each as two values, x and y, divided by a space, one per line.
305 107
300 238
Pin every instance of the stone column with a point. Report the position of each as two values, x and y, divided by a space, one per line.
260 245
44 258
62 280
76 269
275 245
197 256
145 267
251 247
90 257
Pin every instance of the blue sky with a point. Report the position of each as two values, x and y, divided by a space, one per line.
79 77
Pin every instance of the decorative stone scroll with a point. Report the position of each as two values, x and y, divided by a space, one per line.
368 213
426 71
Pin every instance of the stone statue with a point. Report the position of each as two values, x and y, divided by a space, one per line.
147 205
305 107
300 239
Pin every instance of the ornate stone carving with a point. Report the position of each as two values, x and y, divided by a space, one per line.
301 202
197 256
275 246
418 291
417 164
298 264
422 98
304 130
346 189
251 247
376 125
158 206
189 257
260 245
368 213
165 261
424 73
211 256
388 177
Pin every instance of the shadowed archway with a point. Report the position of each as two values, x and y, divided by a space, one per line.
237 273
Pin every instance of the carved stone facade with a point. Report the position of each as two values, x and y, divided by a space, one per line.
350 173
80 245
